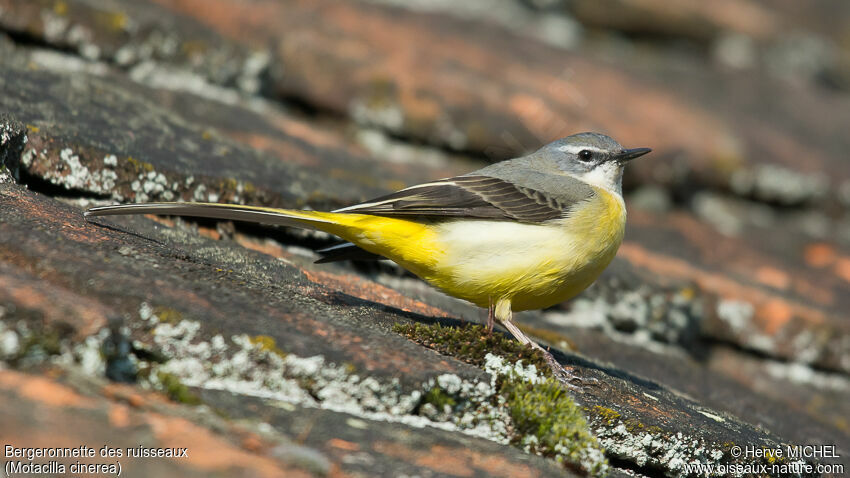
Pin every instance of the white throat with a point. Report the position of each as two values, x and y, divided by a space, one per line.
608 175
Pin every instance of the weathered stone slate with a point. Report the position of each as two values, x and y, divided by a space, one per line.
138 269
105 137
265 103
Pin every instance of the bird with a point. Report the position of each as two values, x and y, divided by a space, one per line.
520 234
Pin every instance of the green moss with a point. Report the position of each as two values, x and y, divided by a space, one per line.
545 419
439 398
471 343
228 184
194 47
114 21
267 344
381 93
60 8
168 315
140 166
46 343
610 416
550 423
175 389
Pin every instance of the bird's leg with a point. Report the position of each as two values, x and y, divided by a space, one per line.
491 317
504 314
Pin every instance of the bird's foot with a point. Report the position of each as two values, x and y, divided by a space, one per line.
567 375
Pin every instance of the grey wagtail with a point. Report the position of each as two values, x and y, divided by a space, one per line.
522 234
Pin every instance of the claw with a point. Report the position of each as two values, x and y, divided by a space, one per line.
567 375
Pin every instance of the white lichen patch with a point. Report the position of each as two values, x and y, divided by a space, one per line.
385 113
253 366
802 374
10 341
712 416
773 183
70 172
7 133
671 452
639 314
153 185
738 316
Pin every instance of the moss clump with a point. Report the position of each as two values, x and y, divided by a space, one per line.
548 422
267 344
471 343
175 389
140 166
544 418
439 398
608 415
48 343
168 315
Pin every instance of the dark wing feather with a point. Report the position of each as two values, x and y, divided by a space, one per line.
481 197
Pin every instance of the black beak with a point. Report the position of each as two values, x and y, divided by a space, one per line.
630 154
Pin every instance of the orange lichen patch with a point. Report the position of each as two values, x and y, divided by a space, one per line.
266 247
209 232
480 76
252 443
78 231
210 452
368 290
454 461
537 116
713 282
773 315
814 292
131 396
307 132
773 277
819 254
40 389
420 107
234 19
842 268
60 305
343 444
452 464
119 415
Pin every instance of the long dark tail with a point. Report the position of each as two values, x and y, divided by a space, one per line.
234 212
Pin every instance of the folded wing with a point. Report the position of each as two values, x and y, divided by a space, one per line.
472 197
480 197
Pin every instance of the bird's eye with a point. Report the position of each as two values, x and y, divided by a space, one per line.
585 155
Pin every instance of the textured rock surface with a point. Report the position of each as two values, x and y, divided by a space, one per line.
722 322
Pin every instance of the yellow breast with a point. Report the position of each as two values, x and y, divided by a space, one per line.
536 266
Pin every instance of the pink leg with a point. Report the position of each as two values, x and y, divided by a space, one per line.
564 375
491 317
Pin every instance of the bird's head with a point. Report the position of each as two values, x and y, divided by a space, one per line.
592 157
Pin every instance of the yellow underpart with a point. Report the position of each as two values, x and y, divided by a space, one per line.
413 245
531 265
